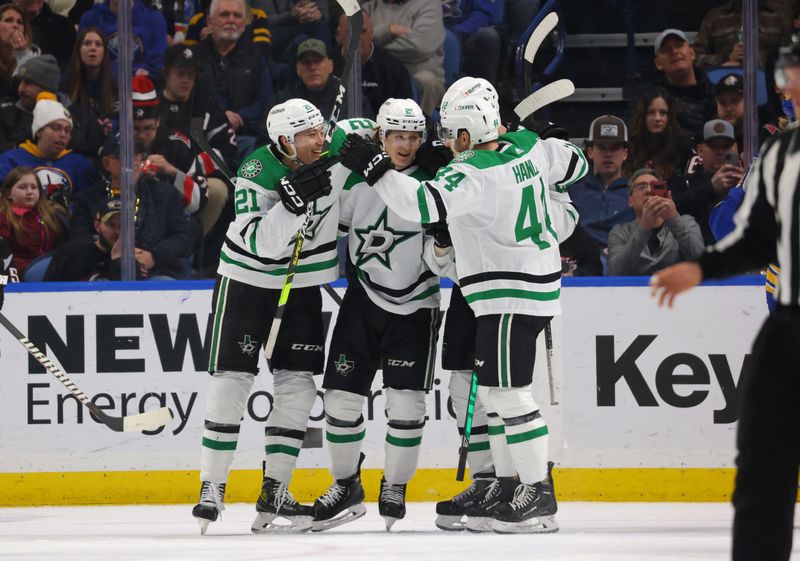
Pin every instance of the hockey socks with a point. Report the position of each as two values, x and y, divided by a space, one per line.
405 412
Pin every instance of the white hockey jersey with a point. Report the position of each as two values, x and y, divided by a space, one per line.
386 250
498 209
260 240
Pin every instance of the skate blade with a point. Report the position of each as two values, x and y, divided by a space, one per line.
390 520
203 525
450 523
543 525
269 523
479 524
352 513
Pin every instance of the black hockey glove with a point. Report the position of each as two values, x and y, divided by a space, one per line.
305 185
433 155
440 233
365 157
545 129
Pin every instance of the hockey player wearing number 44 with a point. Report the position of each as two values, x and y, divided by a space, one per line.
389 320
273 188
495 200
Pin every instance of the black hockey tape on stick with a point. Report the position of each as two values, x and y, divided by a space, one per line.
464 448
149 420
199 136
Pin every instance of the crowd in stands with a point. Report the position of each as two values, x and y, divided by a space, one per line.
657 171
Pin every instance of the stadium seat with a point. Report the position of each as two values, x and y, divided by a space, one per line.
37 268
452 57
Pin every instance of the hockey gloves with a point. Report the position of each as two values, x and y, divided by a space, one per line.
305 185
365 157
433 155
545 129
441 236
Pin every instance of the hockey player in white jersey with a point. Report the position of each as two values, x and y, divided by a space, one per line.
495 200
388 320
273 187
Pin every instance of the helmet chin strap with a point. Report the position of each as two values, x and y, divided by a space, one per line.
291 157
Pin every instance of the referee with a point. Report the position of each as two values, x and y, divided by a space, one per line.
768 439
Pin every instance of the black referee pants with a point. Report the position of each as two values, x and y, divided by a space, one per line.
768 440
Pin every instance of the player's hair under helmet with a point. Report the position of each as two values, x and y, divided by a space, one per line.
476 115
289 118
788 57
400 115
471 87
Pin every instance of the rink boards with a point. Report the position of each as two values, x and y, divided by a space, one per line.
647 398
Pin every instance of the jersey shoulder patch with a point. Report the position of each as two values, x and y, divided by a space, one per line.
263 169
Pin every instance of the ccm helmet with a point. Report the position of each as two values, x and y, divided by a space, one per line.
400 115
289 118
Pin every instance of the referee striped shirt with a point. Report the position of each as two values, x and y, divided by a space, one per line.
767 222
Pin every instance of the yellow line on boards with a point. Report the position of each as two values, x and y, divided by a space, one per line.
176 487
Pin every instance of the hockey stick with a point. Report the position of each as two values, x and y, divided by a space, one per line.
464 448
548 344
538 36
199 136
149 420
356 19
545 95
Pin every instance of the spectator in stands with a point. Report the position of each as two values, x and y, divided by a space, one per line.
185 95
163 238
87 79
37 75
710 175
382 75
689 86
257 31
729 97
601 197
472 21
52 33
519 14
720 43
657 140
238 72
148 28
293 21
658 237
15 45
413 31
62 172
84 258
29 222
316 83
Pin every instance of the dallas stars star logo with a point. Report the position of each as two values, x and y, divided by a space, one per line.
379 240
316 219
248 345
344 366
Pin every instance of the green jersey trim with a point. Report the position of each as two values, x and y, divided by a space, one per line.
496 293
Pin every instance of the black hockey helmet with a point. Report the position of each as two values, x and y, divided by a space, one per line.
788 57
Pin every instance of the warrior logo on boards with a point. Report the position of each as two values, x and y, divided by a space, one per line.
378 241
248 345
344 366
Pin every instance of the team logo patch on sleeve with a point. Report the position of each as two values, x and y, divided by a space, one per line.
251 169
463 156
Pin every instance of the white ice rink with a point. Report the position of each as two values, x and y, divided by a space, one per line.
589 532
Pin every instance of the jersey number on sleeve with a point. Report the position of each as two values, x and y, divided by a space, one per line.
246 201
527 215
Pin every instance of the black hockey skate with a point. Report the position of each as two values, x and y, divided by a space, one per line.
450 514
392 503
531 511
481 515
343 502
210 506
277 511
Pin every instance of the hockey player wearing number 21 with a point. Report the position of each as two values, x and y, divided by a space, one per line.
389 320
274 187
495 200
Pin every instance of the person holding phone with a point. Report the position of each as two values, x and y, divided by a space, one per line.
658 237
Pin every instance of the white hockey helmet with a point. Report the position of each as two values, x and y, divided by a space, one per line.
469 87
400 115
476 114
289 118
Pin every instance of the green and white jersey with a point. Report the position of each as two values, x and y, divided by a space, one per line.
361 126
260 240
497 206
386 250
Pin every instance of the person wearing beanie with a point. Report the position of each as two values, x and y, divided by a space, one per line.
61 171
41 74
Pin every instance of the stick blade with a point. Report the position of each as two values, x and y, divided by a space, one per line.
539 34
552 92
350 7
149 420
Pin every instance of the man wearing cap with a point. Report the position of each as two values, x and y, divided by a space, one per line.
601 197
688 85
84 258
709 175
41 74
238 73
163 237
729 97
186 94
62 172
